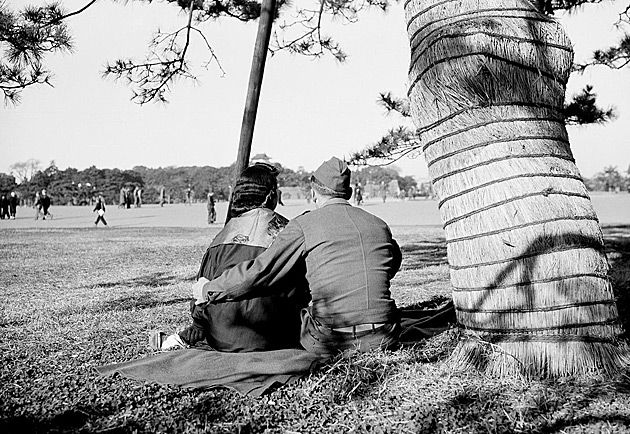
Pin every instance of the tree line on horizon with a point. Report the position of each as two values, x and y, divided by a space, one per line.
78 187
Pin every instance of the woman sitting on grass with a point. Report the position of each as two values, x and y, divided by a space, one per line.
260 324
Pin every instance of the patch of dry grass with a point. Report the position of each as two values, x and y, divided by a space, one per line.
76 299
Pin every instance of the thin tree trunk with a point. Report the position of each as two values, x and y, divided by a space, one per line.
530 284
257 72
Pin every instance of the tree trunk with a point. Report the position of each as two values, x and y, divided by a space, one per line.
256 74
530 284
267 12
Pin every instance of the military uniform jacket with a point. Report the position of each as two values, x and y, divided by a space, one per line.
349 257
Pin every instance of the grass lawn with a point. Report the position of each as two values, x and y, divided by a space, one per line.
75 298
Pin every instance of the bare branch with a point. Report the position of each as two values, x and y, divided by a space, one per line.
166 62
304 34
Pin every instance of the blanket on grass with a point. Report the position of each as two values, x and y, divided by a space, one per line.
256 372
201 367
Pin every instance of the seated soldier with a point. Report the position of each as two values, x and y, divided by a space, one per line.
267 323
349 257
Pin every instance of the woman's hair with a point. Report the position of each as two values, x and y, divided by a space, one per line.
253 187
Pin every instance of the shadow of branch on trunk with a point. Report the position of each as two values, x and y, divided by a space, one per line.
549 311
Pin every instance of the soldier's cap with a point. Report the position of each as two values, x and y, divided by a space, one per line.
334 175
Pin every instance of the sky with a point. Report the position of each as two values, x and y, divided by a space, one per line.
310 109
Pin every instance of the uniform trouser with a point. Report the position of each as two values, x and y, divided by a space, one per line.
319 339
100 218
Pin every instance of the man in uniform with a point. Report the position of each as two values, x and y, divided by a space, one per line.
349 258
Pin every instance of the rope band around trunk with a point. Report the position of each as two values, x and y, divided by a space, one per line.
544 193
504 158
508 178
493 122
537 309
494 142
530 282
521 226
597 245
507 331
520 65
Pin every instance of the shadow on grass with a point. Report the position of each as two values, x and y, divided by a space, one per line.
71 420
617 247
152 280
497 409
143 300
12 323
424 254
139 301
218 407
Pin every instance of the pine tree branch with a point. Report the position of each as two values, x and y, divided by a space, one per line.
615 57
212 53
304 33
396 144
57 20
583 109
154 77
26 37
394 104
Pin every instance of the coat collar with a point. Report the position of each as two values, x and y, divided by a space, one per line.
334 201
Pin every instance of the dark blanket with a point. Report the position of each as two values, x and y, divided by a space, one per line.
247 373
255 373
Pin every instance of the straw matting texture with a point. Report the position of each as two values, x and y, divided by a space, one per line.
487 82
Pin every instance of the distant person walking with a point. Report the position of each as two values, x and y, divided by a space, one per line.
37 205
189 195
46 202
280 197
358 194
212 213
13 204
122 198
99 208
128 197
162 196
383 191
138 197
4 207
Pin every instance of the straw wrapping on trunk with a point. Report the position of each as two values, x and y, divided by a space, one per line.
529 274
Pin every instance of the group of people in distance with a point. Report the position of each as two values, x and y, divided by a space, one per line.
320 281
8 205
129 196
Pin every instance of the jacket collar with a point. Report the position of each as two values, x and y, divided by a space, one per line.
334 201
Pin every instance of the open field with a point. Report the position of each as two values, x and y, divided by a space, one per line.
611 209
75 297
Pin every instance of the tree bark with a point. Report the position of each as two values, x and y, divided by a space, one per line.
525 250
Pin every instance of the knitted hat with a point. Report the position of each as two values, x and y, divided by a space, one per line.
334 176
252 188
